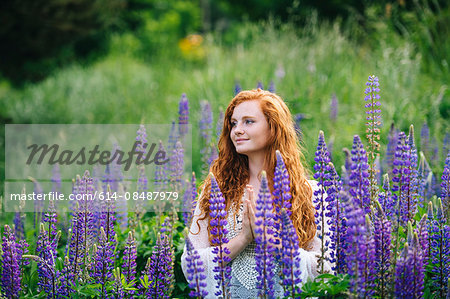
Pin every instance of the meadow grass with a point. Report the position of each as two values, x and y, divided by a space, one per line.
318 61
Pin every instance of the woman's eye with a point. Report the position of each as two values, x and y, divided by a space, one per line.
233 124
249 121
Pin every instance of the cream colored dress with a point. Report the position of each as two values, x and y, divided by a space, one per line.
243 266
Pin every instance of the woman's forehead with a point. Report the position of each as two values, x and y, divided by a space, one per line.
247 108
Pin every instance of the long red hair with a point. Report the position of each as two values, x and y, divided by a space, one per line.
231 169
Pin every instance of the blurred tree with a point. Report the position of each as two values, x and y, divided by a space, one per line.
38 35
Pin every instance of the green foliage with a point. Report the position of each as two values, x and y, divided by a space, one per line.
326 286
39 36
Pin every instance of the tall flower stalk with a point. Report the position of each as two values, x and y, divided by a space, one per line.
322 175
129 260
290 262
183 115
373 130
10 261
382 236
445 185
400 187
265 249
159 269
196 272
359 176
439 251
337 222
360 251
218 221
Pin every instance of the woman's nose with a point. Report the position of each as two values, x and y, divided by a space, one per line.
238 130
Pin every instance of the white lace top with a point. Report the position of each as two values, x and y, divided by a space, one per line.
243 266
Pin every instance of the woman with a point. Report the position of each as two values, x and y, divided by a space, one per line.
256 124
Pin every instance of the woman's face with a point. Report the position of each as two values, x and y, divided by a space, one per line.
249 128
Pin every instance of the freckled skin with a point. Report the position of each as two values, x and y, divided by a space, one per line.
249 128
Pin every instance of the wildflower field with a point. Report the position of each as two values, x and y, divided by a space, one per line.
378 146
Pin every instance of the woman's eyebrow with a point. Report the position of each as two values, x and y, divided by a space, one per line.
243 117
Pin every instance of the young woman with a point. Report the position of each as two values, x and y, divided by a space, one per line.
256 124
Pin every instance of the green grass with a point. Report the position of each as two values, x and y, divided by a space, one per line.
319 60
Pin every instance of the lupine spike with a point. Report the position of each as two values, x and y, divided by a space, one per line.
10 270
359 176
322 175
218 222
265 262
373 130
195 270
382 236
290 262
183 115
445 185
333 108
439 250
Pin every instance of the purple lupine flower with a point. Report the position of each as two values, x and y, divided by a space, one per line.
382 236
359 176
400 187
360 251
407 178
409 181
129 259
264 222
260 85
104 262
10 269
281 194
439 237
280 72
161 173
445 185
19 226
410 274
219 124
206 127
271 86
425 139
298 119
177 167
75 248
196 272
49 219
373 130
158 269
290 261
336 221
119 292
116 168
189 200
237 88
427 179
56 179
385 198
388 160
422 232
333 108
86 214
46 263
183 115
218 221
66 280
322 174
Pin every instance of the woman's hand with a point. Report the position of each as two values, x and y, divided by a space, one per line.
248 219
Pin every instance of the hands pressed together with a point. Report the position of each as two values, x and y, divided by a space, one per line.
249 218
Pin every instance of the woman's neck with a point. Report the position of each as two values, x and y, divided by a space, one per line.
255 166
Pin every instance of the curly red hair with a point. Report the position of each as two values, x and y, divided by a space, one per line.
231 169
